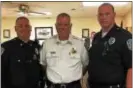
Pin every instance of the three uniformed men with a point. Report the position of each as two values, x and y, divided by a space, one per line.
20 66
64 56
110 56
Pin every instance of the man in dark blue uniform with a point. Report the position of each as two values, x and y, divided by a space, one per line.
110 64
20 59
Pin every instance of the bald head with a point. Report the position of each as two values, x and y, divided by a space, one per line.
23 28
20 18
63 15
63 26
106 16
107 4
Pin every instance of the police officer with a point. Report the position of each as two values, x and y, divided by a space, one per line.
64 56
111 53
20 59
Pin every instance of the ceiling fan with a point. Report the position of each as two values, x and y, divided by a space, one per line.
25 9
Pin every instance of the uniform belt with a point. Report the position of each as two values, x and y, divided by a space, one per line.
106 86
64 85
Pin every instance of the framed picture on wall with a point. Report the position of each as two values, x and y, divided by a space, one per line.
85 32
6 33
42 33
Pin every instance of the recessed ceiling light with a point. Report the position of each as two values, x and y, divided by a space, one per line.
99 3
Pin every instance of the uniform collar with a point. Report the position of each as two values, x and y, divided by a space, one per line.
69 41
22 42
112 31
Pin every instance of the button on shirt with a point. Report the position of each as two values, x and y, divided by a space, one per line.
64 60
110 56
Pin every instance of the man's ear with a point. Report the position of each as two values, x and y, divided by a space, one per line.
55 25
30 28
114 14
15 28
71 25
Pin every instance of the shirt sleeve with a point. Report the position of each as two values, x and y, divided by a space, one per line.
4 66
127 53
84 56
43 55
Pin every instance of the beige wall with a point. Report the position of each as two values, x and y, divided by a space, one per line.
78 25
128 19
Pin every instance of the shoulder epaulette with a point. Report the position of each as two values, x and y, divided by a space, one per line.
75 37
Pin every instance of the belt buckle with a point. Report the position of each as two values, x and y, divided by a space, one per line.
62 86
118 86
110 87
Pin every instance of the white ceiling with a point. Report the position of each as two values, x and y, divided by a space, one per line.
10 8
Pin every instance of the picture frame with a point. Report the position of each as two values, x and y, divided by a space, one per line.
42 33
85 33
6 33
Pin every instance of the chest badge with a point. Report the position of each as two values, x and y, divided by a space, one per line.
73 51
111 41
34 57
36 51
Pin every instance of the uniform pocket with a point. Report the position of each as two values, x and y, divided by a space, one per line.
74 59
51 60
75 56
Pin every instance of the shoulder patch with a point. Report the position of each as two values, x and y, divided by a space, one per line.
36 51
2 50
129 44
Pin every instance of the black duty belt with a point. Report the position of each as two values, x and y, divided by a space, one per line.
106 85
63 85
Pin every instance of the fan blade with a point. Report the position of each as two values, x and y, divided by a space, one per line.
37 12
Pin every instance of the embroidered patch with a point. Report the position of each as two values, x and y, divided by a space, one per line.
36 51
111 41
129 44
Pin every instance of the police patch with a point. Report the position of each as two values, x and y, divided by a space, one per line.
129 44
111 41
2 50
36 51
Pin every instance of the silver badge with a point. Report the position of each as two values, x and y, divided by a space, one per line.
111 41
36 51
34 57
129 44
18 60
2 50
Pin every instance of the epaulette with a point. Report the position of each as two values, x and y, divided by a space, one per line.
6 43
75 37
125 32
